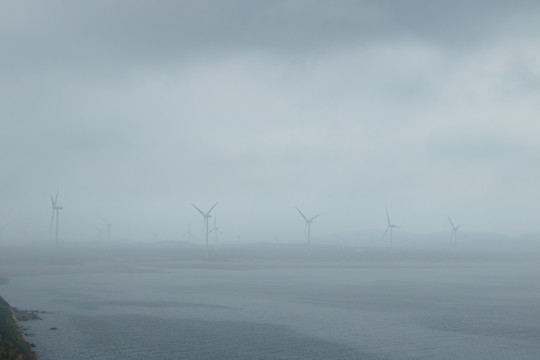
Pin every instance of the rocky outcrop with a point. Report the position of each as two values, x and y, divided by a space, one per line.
13 343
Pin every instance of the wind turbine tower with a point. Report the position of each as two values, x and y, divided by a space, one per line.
206 216
390 228
216 230
308 224
55 215
453 235
108 229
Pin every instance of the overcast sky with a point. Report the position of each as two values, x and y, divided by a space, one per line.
134 110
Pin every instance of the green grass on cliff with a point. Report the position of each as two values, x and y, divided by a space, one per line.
11 338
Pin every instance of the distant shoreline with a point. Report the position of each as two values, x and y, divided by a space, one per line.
24 261
158 266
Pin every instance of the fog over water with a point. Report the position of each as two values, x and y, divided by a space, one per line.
367 171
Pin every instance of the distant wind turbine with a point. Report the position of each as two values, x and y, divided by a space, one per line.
108 229
390 228
216 230
188 233
453 235
206 216
308 224
55 214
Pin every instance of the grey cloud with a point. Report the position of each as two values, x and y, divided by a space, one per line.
101 34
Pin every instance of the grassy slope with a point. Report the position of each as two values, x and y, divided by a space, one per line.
13 345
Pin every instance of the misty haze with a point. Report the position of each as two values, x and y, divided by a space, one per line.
270 180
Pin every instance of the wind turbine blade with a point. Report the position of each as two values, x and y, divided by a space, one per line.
451 223
212 208
53 203
199 210
219 231
386 231
313 218
387 217
305 218
56 198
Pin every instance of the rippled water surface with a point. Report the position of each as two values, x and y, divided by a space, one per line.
317 313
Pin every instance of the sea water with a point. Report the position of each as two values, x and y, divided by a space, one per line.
476 312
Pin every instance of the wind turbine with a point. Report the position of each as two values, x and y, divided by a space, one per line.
2 228
108 229
308 224
390 227
55 214
453 235
216 230
188 233
206 216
